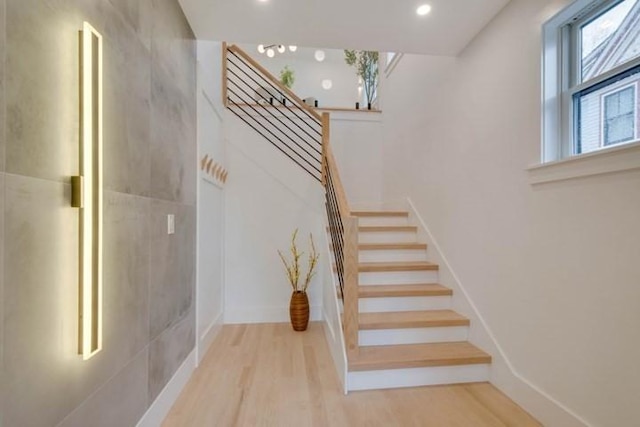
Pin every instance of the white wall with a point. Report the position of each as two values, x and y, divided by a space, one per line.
267 197
310 73
210 270
357 143
553 269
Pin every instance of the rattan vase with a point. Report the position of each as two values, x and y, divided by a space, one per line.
299 311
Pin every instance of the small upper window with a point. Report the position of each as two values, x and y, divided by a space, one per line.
591 70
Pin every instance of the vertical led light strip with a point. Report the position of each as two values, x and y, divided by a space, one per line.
87 193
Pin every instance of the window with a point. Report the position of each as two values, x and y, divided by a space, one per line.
591 69
619 116
390 62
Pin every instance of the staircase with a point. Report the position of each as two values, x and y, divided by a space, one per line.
407 333
398 326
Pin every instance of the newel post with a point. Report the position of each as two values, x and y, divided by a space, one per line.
326 135
224 74
351 320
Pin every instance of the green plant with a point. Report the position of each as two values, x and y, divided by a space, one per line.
287 77
293 267
366 64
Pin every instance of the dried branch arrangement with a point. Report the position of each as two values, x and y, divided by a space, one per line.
293 266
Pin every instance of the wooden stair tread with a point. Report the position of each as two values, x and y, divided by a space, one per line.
387 228
370 214
411 319
420 290
371 267
391 246
418 355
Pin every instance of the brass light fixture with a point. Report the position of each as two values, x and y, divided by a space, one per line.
271 49
87 193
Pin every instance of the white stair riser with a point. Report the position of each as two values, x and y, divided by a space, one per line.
393 255
385 220
415 377
413 335
398 277
380 305
387 237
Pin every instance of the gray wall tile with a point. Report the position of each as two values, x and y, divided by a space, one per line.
2 82
127 98
126 278
40 302
42 88
120 402
172 276
138 15
168 351
150 152
173 105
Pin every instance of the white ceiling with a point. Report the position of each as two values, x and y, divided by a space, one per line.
385 25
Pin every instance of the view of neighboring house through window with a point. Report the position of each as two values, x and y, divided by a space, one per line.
596 99
606 111
620 116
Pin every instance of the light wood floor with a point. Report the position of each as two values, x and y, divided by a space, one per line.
269 375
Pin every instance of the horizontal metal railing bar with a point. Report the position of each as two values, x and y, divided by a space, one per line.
336 228
314 175
305 120
237 51
271 85
288 136
282 146
317 169
279 120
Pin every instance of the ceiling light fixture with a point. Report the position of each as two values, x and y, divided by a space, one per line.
423 10
327 84
271 49
319 55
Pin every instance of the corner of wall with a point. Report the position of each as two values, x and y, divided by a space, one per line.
160 407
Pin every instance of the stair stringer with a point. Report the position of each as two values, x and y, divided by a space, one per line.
502 373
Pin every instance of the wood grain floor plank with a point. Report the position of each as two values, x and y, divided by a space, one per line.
269 375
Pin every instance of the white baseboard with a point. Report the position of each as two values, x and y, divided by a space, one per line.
504 376
160 407
266 315
208 336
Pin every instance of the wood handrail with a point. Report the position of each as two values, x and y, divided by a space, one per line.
342 196
235 49
350 318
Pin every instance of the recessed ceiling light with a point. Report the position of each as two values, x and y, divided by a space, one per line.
423 10
327 84
263 1
319 55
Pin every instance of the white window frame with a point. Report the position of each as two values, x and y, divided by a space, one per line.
603 98
561 76
390 64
